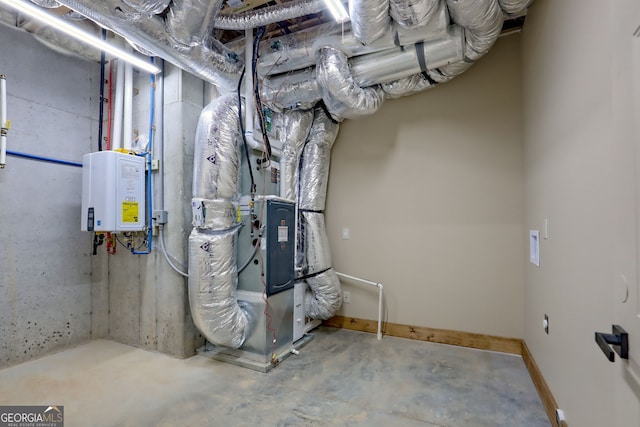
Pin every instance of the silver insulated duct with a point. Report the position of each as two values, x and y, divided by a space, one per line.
213 271
324 298
209 60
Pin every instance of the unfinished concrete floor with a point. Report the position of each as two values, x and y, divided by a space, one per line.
341 378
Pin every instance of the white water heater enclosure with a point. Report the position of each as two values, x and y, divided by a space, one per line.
113 192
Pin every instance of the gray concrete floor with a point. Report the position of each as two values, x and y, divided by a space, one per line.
341 378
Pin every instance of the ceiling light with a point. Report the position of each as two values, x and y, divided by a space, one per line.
337 10
82 36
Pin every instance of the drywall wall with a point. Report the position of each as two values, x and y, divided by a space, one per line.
580 167
45 266
140 300
431 189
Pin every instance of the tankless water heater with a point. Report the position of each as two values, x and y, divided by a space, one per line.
113 192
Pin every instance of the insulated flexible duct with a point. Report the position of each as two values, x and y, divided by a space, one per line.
369 19
324 297
482 20
399 62
211 62
342 96
213 273
152 7
413 13
298 90
49 4
406 86
514 6
298 50
191 21
268 15
296 125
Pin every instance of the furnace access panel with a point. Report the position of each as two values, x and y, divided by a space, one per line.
113 192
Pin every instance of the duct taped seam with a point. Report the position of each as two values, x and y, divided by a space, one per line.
191 21
413 13
399 62
210 61
324 296
268 15
514 6
369 19
213 273
149 7
342 96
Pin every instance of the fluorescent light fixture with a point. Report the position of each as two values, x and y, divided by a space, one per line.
337 10
82 36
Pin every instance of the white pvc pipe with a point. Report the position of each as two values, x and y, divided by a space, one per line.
377 285
116 141
128 106
3 121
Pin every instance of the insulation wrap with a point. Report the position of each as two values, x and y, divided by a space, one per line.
482 20
406 86
213 271
296 125
413 13
314 259
216 157
150 7
342 96
191 21
514 6
210 61
298 50
213 280
316 156
268 15
324 298
213 214
49 4
316 243
297 90
399 62
369 19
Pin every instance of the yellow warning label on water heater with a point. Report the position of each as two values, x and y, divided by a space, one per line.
129 211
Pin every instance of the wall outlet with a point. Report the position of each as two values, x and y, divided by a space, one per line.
545 324
346 297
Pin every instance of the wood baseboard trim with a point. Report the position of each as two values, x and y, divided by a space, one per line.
463 339
543 389
421 333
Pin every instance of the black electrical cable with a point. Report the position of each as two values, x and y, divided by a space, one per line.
103 61
244 138
256 88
